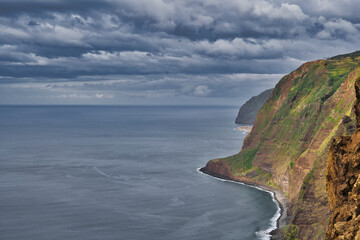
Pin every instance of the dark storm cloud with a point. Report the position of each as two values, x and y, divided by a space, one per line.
54 40
40 7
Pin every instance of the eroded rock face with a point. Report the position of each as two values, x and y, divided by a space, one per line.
343 183
217 169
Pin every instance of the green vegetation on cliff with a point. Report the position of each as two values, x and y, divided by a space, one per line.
248 111
287 147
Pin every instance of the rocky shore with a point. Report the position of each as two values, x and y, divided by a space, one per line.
280 197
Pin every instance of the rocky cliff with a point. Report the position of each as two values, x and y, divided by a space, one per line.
248 111
288 146
343 183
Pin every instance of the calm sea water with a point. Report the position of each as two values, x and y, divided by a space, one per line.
122 173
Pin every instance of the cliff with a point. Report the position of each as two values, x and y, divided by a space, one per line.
288 146
248 111
343 183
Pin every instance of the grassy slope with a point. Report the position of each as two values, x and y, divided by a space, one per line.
288 145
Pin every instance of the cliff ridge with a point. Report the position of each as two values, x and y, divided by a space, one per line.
288 146
248 110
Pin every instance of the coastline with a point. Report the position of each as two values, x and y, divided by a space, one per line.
280 218
244 128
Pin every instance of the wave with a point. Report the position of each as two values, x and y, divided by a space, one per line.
263 234
242 131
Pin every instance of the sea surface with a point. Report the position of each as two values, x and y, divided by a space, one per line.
99 172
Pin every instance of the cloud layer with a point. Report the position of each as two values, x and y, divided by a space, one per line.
163 48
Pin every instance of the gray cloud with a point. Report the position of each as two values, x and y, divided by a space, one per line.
176 48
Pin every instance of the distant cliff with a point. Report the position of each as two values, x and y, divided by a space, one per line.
288 146
248 111
343 183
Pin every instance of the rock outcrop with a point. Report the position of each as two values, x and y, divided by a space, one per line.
343 183
248 111
288 146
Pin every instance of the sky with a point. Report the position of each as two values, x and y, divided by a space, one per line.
163 52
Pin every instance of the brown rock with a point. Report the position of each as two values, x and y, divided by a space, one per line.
343 183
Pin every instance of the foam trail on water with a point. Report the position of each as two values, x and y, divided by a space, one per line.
263 234
104 174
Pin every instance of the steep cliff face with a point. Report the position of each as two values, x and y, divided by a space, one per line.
248 111
343 183
287 148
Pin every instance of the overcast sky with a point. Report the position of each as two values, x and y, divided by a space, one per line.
163 51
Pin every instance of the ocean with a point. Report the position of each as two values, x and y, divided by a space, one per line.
109 172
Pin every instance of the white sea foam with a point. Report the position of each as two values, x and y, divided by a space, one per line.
263 234
104 174
241 131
